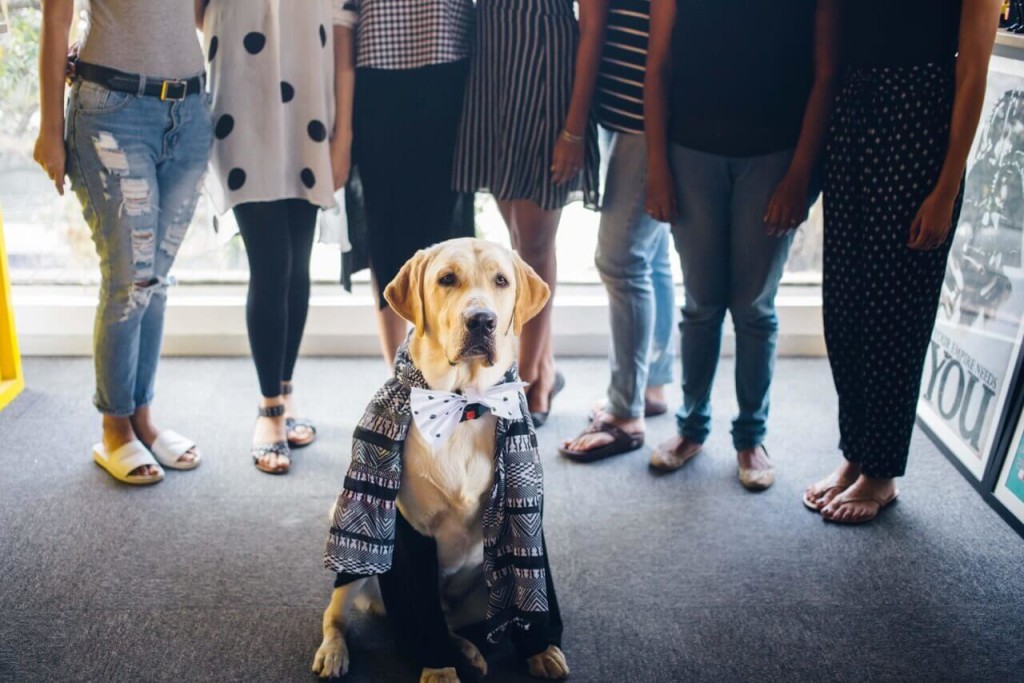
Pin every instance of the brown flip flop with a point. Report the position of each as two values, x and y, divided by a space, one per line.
622 442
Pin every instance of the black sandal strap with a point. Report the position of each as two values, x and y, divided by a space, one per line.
291 423
271 411
262 450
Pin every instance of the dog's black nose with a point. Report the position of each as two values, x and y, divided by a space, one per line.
481 320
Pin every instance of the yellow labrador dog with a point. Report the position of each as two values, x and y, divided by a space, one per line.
468 300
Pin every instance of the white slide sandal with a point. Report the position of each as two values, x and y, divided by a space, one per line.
126 458
169 446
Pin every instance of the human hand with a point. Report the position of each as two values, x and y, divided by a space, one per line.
787 208
661 193
49 153
931 225
341 160
567 159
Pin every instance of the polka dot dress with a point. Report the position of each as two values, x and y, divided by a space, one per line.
886 149
271 75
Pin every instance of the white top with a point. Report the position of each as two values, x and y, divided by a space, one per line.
270 65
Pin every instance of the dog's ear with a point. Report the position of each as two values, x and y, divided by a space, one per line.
405 293
532 293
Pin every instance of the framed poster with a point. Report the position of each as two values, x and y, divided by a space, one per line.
1009 486
975 350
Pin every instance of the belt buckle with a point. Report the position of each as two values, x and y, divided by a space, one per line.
173 90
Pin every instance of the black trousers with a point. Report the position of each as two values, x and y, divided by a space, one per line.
412 597
278 238
405 123
887 146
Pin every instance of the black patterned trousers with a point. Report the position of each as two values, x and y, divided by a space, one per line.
888 141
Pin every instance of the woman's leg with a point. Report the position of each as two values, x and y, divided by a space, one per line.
757 261
178 178
392 327
265 231
406 166
903 283
301 231
533 233
111 162
662 356
701 233
626 240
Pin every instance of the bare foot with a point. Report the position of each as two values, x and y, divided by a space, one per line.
862 501
147 431
821 493
117 431
673 453
271 430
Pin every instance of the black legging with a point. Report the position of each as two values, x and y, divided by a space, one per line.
278 240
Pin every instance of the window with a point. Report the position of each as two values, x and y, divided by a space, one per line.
48 241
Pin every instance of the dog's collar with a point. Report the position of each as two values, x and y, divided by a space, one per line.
474 411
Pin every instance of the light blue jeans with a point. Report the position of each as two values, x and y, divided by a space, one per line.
136 164
633 259
729 263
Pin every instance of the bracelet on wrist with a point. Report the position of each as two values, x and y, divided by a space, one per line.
569 137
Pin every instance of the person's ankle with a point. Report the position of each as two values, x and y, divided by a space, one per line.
877 482
117 431
655 393
753 457
635 424
849 470
143 427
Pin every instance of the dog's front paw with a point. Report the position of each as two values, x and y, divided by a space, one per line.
331 660
445 675
472 654
549 664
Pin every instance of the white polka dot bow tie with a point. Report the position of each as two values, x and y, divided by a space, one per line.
437 413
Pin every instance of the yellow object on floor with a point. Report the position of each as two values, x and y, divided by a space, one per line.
11 379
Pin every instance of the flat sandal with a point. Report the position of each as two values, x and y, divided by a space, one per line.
280 448
293 424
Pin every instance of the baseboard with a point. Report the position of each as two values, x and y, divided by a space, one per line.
210 321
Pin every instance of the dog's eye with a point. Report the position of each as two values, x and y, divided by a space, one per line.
447 280
501 280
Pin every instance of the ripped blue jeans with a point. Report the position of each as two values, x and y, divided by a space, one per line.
137 164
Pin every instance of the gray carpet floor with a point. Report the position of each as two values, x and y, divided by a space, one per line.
216 574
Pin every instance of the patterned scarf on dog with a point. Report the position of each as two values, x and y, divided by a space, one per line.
363 532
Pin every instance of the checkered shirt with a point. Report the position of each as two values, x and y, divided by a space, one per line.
408 34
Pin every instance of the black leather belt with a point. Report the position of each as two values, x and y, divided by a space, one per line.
139 85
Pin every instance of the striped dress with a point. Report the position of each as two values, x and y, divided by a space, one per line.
620 81
518 94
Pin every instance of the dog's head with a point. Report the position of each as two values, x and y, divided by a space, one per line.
469 298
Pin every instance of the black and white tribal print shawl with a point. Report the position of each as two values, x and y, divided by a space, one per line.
363 531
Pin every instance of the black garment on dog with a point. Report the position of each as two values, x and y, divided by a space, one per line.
412 598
